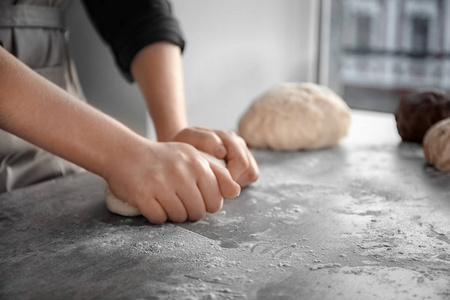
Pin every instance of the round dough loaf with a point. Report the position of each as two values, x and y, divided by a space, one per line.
294 116
117 206
436 145
419 111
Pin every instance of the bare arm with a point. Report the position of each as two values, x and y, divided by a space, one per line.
40 112
158 71
163 180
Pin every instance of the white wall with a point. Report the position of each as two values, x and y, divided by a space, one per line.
235 51
238 49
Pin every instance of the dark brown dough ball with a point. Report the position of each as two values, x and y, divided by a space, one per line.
417 112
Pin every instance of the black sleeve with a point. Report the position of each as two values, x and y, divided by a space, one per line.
129 26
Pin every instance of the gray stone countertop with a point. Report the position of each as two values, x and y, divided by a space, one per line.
366 220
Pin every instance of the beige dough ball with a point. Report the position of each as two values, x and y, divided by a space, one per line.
436 145
117 206
296 116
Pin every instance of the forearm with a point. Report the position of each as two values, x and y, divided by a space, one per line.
158 71
42 113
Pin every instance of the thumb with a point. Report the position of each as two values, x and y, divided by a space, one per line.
227 186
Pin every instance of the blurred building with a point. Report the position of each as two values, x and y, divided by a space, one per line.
395 45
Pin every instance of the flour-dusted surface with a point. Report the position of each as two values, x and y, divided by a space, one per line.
366 220
295 116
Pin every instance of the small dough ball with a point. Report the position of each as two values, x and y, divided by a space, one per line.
294 116
117 206
436 145
419 111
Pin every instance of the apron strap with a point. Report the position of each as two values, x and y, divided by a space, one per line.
23 15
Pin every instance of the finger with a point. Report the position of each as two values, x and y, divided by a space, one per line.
173 206
153 211
204 140
251 174
227 186
209 188
214 160
193 202
237 159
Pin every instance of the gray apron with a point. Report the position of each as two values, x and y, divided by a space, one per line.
34 32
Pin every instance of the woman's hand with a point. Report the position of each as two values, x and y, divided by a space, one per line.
225 145
170 181
158 71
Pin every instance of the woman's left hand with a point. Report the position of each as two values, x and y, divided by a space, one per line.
226 145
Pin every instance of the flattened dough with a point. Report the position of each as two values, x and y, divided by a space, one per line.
122 208
295 116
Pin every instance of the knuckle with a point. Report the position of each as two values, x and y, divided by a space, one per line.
200 165
173 170
213 138
242 162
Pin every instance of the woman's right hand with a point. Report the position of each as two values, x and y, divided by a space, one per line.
170 181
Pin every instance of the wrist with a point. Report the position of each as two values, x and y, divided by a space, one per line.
167 134
123 155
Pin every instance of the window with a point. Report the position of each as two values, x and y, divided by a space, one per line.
420 36
376 51
363 32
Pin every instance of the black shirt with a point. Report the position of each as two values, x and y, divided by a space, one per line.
129 26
